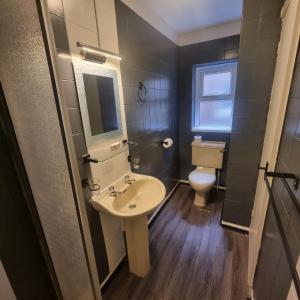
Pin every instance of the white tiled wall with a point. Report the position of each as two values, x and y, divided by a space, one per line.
82 26
107 25
81 12
106 172
77 33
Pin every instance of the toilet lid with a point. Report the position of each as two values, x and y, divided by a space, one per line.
199 177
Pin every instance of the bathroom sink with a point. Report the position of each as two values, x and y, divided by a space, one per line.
131 203
139 198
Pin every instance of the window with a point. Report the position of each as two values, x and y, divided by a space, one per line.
214 89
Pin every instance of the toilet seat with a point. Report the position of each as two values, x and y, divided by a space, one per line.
207 156
200 179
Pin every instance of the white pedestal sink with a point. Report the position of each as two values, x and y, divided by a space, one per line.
132 205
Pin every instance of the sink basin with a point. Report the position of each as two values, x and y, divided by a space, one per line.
137 199
132 205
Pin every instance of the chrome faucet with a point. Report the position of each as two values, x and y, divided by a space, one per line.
113 192
128 180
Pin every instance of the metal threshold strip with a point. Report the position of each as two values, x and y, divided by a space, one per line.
284 177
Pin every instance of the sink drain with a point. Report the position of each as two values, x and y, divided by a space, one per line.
131 206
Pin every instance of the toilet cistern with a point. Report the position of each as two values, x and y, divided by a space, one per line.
207 156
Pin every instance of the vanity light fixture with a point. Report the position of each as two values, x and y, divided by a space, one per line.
95 54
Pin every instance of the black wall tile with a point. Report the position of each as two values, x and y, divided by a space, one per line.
70 95
60 33
270 27
250 108
270 7
151 58
251 9
235 217
75 120
260 33
248 140
248 124
80 146
98 243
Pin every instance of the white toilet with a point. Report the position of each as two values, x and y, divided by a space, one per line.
207 156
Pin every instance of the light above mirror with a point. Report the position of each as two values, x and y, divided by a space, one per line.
95 54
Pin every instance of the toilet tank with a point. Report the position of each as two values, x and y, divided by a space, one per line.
207 154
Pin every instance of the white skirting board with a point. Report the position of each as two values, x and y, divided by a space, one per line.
244 228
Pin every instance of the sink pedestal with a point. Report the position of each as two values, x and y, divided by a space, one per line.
137 241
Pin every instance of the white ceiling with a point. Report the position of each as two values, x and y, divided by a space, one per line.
189 15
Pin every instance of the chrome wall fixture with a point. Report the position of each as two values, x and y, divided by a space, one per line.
86 182
97 55
88 159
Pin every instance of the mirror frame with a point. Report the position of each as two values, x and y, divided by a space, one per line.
81 68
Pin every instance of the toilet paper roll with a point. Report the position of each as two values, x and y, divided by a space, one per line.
167 143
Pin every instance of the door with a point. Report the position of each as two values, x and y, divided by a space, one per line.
24 258
286 56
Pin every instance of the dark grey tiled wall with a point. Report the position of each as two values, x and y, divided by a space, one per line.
150 57
68 88
260 33
288 161
207 52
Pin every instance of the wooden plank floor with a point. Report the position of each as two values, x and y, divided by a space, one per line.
192 256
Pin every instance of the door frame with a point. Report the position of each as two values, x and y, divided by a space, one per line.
275 122
12 144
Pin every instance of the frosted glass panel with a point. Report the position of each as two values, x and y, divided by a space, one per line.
215 115
217 84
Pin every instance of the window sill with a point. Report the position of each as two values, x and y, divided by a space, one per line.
212 130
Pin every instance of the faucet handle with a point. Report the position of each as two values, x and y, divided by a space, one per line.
126 178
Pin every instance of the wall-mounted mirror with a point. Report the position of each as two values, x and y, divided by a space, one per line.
98 95
101 103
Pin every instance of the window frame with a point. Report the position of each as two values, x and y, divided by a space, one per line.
199 71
